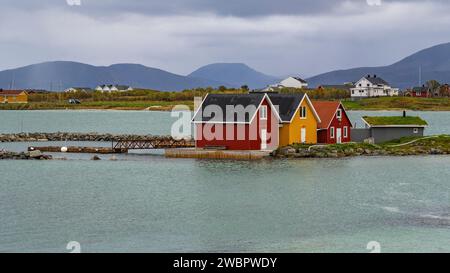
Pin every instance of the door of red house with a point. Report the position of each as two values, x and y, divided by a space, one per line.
263 139
339 135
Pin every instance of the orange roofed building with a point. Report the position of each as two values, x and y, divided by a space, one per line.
335 126
13 96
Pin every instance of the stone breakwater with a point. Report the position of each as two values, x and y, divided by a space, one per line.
60 136
37 155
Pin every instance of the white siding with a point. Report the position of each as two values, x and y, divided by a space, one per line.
293 83
364 88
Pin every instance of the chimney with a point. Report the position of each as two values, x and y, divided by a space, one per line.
375 75
368 76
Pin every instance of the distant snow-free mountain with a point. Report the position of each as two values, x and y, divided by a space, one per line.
237 74
62 75
433 63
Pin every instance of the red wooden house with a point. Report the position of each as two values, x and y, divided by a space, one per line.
335 126
419 92
237 122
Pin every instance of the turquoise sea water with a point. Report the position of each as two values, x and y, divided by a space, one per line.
146 122
146 203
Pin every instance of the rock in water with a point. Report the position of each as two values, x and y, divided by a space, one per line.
35 154
95 157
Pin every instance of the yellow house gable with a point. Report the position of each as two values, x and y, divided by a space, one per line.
303 126
8 97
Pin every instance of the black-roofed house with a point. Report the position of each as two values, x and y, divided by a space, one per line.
237 122
373 86
299 118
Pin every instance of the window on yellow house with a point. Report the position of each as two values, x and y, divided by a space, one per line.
303 112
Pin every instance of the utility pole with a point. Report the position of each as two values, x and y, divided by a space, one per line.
420 75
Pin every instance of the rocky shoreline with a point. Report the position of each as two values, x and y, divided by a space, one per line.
33 155
439 145
64 136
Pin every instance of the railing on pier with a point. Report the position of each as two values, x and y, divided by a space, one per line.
152 143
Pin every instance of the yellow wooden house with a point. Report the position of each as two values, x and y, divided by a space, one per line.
13 96
299 119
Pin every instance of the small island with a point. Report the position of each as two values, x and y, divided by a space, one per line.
431 145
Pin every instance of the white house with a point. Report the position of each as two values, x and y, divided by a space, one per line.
78 89
373 86
113 88
294 82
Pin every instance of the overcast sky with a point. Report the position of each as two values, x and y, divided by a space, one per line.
278 37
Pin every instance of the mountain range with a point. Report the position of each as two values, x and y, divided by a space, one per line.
430 63
61 75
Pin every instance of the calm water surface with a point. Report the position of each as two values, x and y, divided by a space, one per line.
146 122
146 203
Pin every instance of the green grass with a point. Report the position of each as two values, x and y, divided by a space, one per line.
399 103
395 121
119 105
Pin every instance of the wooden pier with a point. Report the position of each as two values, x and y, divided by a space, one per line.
216 154
123 146
78 150
153 143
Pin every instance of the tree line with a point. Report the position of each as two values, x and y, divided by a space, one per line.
185 95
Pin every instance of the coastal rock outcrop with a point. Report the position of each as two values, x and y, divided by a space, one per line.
37 155
67 136
438 145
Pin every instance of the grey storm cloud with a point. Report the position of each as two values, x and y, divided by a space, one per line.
239 8
279 37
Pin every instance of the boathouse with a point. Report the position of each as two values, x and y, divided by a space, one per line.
384 129
299 118
237 122
336 126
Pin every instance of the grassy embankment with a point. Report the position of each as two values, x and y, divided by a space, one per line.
140 99
164 101
399 103
99 105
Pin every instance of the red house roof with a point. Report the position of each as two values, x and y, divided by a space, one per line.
326 111
11 92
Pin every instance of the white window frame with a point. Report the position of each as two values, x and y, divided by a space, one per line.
303 112
263 113
332 132
345 131
339 114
